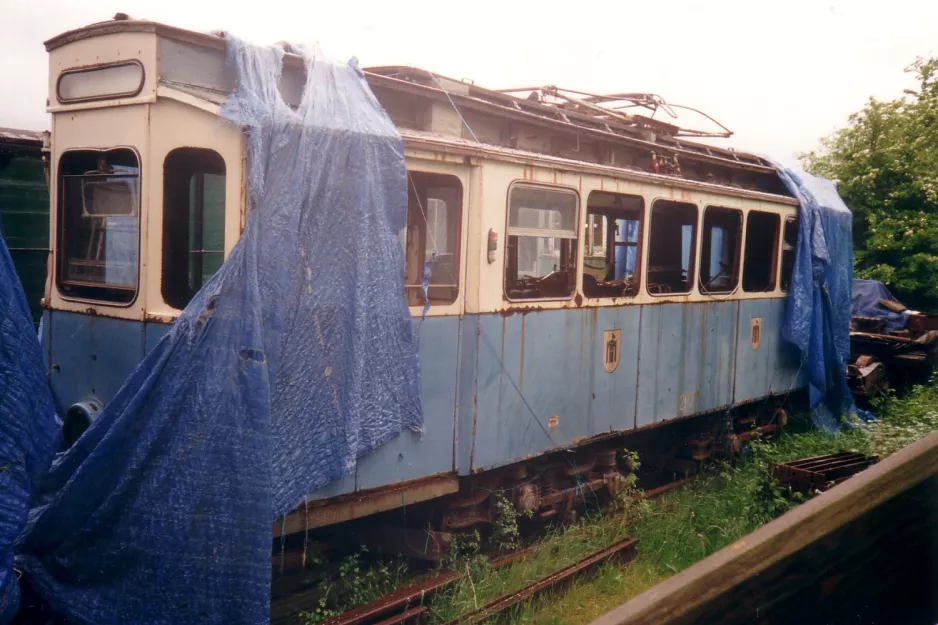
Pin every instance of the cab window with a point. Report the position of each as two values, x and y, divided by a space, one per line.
193 222
99 225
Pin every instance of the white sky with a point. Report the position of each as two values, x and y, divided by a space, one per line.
781 74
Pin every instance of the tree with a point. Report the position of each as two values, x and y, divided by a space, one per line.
885 163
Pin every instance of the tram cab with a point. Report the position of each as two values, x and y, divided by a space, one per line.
147 196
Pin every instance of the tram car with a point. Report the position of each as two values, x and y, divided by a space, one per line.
601 272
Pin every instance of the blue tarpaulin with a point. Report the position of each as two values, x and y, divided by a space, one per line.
817 314
28 428
867 295
293 361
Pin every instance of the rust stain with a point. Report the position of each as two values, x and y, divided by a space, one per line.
578 300
475 399
553 422
521 360
157 319
523 310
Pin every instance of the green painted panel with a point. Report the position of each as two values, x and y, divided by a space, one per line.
24 222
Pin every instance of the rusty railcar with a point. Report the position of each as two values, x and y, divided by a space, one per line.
597 273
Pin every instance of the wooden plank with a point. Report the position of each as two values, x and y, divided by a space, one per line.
364 503
687 595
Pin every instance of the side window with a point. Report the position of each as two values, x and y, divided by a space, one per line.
719 258
193 221
788 250
99 225
761 258
612 245
672 247
540 257
434 218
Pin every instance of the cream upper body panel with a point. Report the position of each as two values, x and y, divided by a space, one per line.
167 113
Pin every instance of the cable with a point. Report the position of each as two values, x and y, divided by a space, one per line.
453 104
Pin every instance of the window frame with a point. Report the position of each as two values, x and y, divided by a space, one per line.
691 280
774 272
531 232
706 245
639 245
187 152
412 190
796 219
60 252
132 93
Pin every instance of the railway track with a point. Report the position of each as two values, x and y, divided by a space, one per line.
410 604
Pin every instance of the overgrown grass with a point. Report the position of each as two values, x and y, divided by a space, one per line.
674 531
686 525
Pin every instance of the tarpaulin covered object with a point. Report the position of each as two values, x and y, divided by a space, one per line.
26 443
817 313
867 295
291 362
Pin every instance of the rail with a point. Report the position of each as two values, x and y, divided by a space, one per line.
408 605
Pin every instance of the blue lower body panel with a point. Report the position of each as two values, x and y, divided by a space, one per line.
688 354
771 367
91 356
500 388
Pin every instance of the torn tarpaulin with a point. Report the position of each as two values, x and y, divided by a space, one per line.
28 427
294 360
817 314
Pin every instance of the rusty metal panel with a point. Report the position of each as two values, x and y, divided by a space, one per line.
468 384
612 400
771 367
409 455
91 356
533 384
687 359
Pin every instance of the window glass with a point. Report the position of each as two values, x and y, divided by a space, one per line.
432 237
99 240
672 247
541 249
612 245
719 258
193 222
761 257
788 251
96 83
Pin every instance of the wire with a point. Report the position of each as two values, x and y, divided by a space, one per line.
535 418
453 104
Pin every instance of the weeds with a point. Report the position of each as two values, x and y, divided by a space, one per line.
505 534
356 584
674 532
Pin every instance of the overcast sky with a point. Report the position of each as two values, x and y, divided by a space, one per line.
781 74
